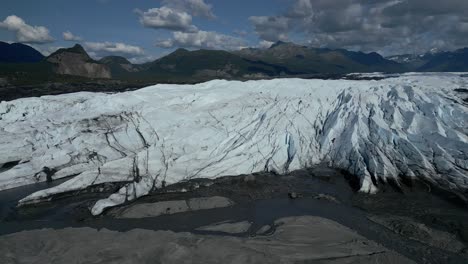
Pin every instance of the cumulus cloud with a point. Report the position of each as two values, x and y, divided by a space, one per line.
241 33
176 15
167 18
428 7
265 44
26 33
68 36
101 49
301 8
271 28
202 39
388 26
194 7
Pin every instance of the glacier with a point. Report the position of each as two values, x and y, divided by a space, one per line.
412 125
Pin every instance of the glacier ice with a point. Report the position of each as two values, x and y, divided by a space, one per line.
413 125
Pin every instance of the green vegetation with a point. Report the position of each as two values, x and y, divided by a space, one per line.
185 67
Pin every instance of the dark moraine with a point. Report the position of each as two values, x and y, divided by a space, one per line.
263 198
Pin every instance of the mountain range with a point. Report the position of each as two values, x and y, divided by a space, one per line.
23 65
445 61
18 53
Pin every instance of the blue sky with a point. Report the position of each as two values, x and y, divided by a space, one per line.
143 30
116 21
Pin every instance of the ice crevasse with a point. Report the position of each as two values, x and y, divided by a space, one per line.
412 125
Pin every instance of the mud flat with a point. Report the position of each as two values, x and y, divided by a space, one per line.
296 239
172 207
230 228
397 225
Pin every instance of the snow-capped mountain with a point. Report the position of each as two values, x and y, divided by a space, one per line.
413 125
434 61
405 58
414 58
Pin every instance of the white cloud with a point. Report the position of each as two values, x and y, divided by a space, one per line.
301 8
389 26
68 36
241 33
167 18
101 49
265 44
271 28
176 15
26 33
203 39
194 7
167 44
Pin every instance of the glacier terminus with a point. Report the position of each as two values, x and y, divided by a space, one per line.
411 125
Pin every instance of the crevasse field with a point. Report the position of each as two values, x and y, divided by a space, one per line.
413 125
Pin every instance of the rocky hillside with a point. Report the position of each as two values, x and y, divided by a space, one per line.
74 66
210 64
119 64
75 61
308 60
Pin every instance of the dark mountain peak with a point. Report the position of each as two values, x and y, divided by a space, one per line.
280 43
16 44
304 59
5 44
374 54
368 59
177 53
180 51
277 44
286 47
77 49
18 53
114 60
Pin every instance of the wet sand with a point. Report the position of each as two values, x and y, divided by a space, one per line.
295 240
262 199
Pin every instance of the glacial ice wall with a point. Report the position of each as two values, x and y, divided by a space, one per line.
414 125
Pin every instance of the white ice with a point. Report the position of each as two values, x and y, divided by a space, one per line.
413 125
